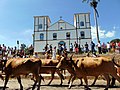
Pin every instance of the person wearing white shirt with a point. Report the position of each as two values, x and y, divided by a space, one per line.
108 46
54 53
99 48
36 55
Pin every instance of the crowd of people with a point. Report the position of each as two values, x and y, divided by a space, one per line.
6 52
101 48
76 48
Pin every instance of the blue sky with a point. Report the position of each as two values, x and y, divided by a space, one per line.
16 17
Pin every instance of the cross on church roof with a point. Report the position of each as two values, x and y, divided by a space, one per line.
60 17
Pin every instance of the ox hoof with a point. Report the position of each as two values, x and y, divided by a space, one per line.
106 89
61 84
68 82
21 87
80 84
87 89
92 84
48 84
69 87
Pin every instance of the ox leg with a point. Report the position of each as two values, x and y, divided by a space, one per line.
34 85
112 82
35 82
61 76
37 79
70 79
94 81
86 82
73 78
108 81
116 77
39 82
6 81
19 81
81 82
52 75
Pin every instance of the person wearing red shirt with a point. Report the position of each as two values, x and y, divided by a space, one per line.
119 47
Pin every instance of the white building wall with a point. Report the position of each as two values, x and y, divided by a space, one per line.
87 33
61 32
59 24
53 27
39 46
37 35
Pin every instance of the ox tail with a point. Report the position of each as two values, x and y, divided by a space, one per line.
113 59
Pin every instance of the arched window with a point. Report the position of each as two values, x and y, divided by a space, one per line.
40 26
54 36
81 23
41 36
68 35
82 33
61 28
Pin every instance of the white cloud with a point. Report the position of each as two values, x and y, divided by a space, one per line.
110 34
102 33
116 27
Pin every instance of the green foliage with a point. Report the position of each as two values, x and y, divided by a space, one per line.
115 40
23 46
27 52
93 3
90 0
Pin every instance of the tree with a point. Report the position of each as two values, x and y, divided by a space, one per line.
23 46
115 40
94 3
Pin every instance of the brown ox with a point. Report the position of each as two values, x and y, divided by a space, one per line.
89 66
49 66
22 66
72 78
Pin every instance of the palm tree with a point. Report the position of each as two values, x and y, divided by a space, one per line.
93 3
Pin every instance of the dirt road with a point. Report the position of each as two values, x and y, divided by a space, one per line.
27 84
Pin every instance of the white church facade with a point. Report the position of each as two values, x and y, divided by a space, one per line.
61 32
